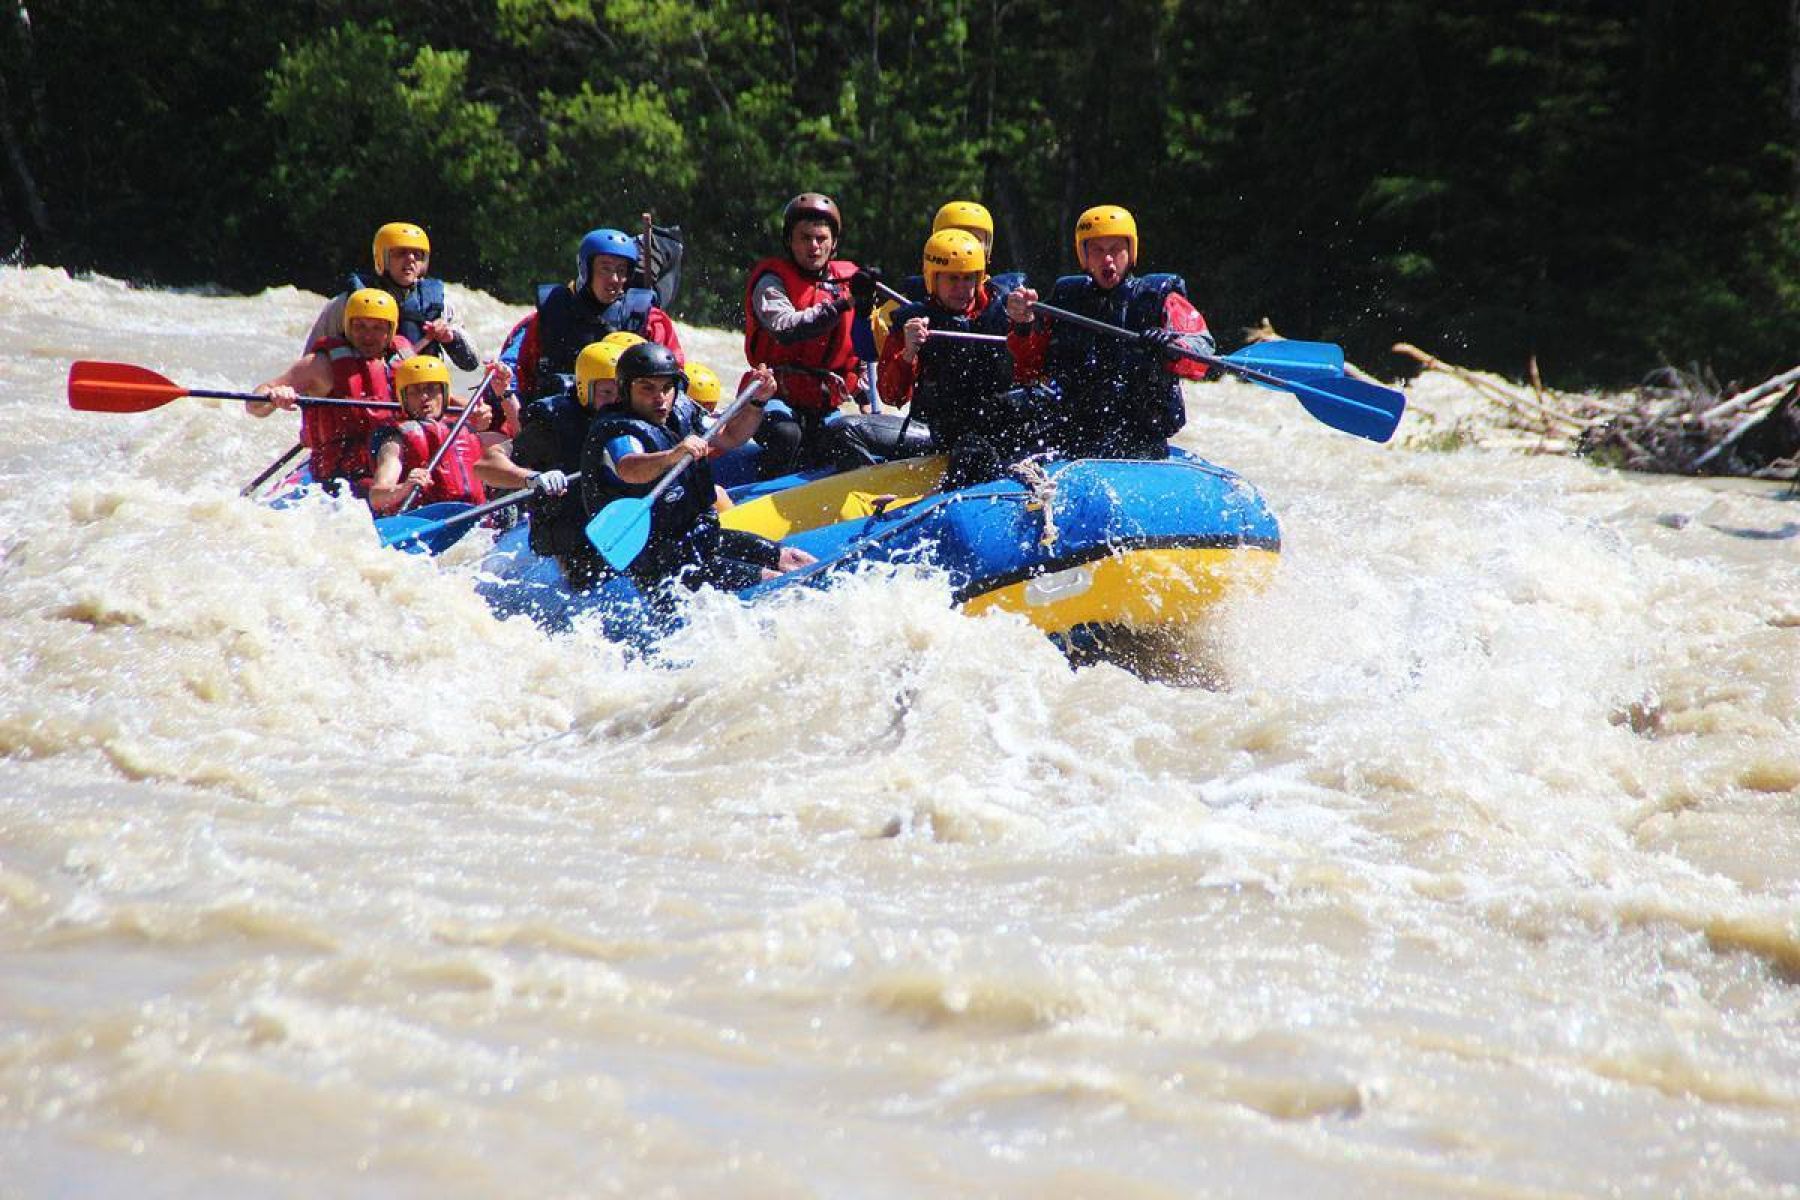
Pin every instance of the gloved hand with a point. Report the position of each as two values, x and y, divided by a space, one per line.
549 483
1158 340
862 286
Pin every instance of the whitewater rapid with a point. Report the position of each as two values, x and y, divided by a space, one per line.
1464 860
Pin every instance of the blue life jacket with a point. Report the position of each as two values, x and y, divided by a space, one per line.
958 379
552 431
568 322
423 302
685 504
1119 400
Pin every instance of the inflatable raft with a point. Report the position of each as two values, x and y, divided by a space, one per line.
1076 547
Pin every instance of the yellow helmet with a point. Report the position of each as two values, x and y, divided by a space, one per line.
1105 220
374 303
396 234
703 386
598 362
952 251
965 214
421 368
622 339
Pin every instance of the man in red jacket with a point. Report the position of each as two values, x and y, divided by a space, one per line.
799 306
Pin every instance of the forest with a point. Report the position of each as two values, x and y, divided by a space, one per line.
1604 188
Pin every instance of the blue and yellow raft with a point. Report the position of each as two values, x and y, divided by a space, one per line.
1082 546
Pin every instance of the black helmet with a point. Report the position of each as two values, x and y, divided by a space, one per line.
812 206
647 360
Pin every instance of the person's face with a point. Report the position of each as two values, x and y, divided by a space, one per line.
608 277
602 392
368 336
811 244
653 398
425 401
407 265
955 290
1106 259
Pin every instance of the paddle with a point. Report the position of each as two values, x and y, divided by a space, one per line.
293 452
1292 360
1366 410
449 439
123 388
620 530
958 335
435 534
1283 357
899 298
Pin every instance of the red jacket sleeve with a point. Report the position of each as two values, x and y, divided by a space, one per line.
1183 317
1029 349
520 352
894 376
660 329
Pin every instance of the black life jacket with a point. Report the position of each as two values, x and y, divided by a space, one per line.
1118 399
957 378
552 431
684 503
423 302
568 322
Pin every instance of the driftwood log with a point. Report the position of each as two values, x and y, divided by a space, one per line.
1676 425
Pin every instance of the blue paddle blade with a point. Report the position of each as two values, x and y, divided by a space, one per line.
1367 410
1292 360
424 530
404 532
619 531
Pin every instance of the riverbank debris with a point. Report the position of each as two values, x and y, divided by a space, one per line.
1675 422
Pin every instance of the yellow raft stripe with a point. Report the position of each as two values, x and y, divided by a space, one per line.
835 498
1139 588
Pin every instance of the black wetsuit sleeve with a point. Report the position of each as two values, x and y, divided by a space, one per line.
461 353
535 448
749 547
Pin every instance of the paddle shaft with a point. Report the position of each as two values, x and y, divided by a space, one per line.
293 452
960 336
510 500
1211 360
731 410
461 420
891 294
303 401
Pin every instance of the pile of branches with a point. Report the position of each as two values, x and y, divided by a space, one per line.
1674 423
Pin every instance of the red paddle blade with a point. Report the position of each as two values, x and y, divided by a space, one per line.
118 387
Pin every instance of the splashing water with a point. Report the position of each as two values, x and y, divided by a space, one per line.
1473 868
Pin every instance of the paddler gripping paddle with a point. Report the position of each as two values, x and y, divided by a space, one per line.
1366 410
620 530
475 399
437 527
1281 356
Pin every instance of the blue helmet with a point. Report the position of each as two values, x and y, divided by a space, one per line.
602 241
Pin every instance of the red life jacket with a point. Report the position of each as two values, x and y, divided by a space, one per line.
801 368
339 437
455 477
